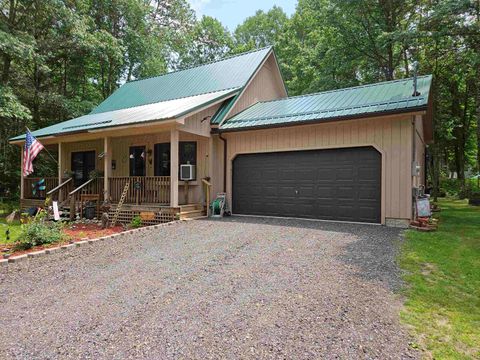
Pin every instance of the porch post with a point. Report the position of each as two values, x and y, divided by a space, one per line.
107 167
174 167
60 170
22 185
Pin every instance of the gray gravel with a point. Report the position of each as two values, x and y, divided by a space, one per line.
234 288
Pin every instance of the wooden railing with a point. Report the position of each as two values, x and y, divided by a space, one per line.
57 192
143 189
92 186
31 190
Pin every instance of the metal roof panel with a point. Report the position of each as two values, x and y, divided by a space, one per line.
139 114
367 99
228 73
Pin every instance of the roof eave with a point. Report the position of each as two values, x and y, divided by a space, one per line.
417 109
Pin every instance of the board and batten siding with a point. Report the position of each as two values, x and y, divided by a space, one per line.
390 135
121 151
91 145
266 85
419 150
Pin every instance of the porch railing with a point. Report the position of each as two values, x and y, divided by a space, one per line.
94 186
142 189
32 187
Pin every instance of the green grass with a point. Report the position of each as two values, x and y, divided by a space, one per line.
443 283
15 229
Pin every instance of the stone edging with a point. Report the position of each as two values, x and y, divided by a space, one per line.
36 254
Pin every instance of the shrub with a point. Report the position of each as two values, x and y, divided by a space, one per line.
40 231
136 222
474 195
453 188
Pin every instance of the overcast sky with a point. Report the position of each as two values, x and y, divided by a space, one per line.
233 12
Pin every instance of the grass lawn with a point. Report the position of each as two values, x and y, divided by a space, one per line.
14 231
443 283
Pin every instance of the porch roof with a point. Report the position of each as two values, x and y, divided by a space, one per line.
360 101
164 110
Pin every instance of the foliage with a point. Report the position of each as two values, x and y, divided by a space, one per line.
40 231
7 207
262 29
443 278
95 174
136 222
58 59
14 228
455 187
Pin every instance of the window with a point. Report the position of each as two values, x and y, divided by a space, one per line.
83 162
137 160
161 154
187 154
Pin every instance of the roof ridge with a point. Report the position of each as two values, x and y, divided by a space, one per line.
342 89
204 64
233 88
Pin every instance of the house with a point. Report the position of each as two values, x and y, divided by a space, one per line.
355 154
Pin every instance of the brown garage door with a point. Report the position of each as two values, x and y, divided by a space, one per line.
336 184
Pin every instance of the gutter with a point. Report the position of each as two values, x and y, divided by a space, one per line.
224 161
422 108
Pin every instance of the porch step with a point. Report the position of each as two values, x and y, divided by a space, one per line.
191 214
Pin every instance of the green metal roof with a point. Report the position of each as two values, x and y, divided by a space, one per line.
228 73
166 96
139 114
389 96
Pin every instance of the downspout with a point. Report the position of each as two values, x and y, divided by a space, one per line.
224 161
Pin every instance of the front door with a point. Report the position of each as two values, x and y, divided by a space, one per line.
137 161
83 162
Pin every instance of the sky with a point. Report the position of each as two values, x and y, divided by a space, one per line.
233 12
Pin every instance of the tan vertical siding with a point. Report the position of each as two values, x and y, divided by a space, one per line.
391 136
194 124
419 152
266 85
120 153
68 148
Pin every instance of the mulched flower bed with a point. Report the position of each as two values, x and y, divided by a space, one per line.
91 231
75 232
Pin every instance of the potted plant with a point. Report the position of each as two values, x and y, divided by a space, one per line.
67 174
95 174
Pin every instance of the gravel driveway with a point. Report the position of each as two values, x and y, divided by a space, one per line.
233 288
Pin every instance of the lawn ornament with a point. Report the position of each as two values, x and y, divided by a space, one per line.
38 186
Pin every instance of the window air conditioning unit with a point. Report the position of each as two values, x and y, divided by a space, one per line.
187 172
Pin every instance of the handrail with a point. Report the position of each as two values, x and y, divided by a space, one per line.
81 187
206 182
54 190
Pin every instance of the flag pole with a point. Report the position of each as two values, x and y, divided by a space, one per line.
44 148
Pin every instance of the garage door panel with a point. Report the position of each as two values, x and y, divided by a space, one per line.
334 184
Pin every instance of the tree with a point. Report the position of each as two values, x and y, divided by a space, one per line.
262 29
208 41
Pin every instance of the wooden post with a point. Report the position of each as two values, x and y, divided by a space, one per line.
107 167
22 185
60 170
174 167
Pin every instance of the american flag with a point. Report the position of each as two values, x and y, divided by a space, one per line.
30 151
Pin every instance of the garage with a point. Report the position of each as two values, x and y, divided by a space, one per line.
334 184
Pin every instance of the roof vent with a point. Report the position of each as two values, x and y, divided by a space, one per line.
415 76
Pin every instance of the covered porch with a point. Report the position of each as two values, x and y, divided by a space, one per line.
148 160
